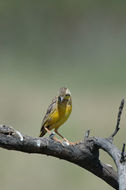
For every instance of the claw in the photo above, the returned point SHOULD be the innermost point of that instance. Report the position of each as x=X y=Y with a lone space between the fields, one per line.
x=65 y=143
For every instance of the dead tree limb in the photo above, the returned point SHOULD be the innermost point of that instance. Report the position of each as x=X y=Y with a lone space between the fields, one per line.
x=118 y=119
x=84 y=154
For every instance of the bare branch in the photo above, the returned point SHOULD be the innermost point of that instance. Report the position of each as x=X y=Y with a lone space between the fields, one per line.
x=85 y=154
x=122 y=159
x=118 y=119
x=122 y=170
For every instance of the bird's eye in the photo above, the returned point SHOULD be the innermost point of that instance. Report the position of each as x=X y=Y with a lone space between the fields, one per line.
x=67 y=95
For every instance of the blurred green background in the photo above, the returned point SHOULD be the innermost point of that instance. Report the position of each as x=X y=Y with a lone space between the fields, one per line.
x=45 y=45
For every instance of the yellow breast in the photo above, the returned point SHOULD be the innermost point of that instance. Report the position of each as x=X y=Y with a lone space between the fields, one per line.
x=60 y=115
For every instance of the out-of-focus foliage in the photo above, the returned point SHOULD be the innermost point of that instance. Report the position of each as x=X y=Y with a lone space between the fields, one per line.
x=48 y=44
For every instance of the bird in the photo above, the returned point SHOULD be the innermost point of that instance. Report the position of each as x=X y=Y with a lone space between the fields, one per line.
x=57 y=113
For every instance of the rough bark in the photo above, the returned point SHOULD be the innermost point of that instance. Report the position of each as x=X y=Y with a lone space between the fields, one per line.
x=83 y=154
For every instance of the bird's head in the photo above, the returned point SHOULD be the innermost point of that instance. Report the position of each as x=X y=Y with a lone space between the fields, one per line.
x=64 y=95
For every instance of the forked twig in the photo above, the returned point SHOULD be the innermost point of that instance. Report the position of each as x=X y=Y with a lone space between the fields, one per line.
x=118 y=118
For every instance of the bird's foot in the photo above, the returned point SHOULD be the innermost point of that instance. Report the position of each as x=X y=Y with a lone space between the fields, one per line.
x=52 y=136
x=76 y=143
x=71 y=143
x=64 y=141
x=68 y=142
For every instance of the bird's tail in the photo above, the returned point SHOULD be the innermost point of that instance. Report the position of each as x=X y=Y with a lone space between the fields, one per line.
x=42 y=132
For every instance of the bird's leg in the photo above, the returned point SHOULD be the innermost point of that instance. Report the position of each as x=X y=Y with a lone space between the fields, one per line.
x=71 y=143
x=48 y=131
x=53 y=137
x=56 y=131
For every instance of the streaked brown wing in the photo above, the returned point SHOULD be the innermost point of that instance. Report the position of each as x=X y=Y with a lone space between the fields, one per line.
x=50 y=110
